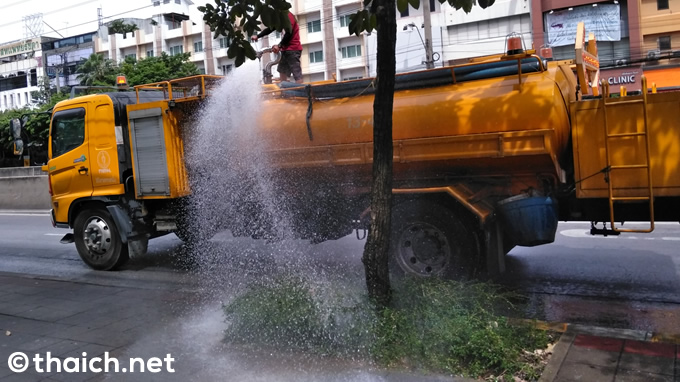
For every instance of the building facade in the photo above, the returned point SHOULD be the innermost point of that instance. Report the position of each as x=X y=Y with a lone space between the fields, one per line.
x=615 y=24
x=660 y=34
x=62 y=57
x=329 y=51
x=632 y=35
x=20 y=66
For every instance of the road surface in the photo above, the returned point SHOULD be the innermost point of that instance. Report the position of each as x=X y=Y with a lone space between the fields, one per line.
x=631 y=281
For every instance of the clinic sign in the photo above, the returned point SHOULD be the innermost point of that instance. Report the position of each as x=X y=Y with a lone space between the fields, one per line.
x=27 y=46
x=628 y=77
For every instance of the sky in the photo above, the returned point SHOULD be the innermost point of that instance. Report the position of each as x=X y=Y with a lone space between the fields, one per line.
x=67 y=17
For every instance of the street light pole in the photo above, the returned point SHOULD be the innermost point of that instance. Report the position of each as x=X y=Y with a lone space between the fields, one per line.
x=429 y=62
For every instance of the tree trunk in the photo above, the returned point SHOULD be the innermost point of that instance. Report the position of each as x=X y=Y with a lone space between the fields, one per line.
x=376 y=251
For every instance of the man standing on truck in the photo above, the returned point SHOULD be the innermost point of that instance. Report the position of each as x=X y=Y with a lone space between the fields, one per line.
x=290 y=48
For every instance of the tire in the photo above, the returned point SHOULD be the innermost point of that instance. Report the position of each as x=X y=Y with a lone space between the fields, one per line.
x=98 y=241
x=430 y=240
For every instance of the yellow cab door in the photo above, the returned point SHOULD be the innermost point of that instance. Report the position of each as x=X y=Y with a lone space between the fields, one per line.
x=70 y=161
x=103 y=140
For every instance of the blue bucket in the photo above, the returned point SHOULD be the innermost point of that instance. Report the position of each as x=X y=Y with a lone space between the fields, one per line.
x=529 y=221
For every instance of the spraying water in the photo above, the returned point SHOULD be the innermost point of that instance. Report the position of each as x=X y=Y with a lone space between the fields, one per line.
x=234 y=186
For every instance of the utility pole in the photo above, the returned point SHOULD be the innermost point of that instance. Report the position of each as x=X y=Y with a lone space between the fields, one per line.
x=429 y=62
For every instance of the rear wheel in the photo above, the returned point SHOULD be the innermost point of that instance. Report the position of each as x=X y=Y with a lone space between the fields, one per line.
x=429 y=239
x=98 y=241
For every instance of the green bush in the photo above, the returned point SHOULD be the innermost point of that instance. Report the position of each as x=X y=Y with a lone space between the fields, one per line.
x=433 y=325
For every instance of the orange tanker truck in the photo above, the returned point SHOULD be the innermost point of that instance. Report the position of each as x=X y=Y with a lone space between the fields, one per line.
x=487 y=155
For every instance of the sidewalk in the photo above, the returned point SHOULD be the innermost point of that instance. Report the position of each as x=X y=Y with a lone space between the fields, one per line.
x=68 y=318
x=599 y=354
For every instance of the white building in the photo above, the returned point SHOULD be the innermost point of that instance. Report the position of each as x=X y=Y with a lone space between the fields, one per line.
x=329 y=51
x=20 y=66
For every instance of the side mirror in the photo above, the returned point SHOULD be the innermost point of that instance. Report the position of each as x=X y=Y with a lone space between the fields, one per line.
x=15 y=128
x=18 y=147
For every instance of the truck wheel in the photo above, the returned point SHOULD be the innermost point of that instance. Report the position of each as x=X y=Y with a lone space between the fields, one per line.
x=98 y=241
x=428 y=240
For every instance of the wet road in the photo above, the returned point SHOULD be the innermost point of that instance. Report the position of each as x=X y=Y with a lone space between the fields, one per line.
x=631 y=281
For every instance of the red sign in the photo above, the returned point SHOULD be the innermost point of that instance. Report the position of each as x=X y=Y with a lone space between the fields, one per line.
x=617 y=77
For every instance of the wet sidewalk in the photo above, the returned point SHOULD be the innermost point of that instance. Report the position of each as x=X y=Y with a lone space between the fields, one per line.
x=598 y=354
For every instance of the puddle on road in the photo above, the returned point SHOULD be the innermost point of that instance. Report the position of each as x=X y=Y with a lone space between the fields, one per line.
x=652 y=317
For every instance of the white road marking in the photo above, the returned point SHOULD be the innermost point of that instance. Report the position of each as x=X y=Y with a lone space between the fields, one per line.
x=23 y=214
x=54 y=234
x=627 y=223
x=586 y=233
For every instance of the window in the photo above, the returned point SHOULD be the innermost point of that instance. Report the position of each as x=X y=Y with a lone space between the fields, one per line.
x=132 y=56
x=226 y=69
x=351 y=51
x=198 y=46
x=661 y=4
x=149 y=53
x=174 y=24
x=432 y=4
x=68 y=130
x=201 y=70
x=352 y=78
x=314 y=26
x=316 y=56
x=344 y=21
x=178 y=1
x=665 y=43
x=224 y=42
x=177 y=49
x=156 y=3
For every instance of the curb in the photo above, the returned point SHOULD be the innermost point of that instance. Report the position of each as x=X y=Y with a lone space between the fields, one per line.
x=559 y=354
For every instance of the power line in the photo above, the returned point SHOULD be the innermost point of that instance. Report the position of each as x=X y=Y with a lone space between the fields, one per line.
x=51 y=12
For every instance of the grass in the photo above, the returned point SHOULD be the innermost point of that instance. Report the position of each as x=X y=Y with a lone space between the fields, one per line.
x=432 y=325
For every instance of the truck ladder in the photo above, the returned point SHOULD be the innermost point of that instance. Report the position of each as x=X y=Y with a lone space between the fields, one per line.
x=612 y=169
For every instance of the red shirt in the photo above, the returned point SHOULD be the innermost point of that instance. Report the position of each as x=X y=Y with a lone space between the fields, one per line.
x=294 y=42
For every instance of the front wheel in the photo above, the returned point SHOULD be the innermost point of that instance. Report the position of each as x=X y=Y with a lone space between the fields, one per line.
x=98 y=241
x=429 y=239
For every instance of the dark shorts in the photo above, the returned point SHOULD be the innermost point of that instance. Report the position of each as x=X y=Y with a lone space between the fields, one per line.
x=290 y=63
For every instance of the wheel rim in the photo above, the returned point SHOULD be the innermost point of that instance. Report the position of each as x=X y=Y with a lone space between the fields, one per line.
x=423 y=250
x=97 y=237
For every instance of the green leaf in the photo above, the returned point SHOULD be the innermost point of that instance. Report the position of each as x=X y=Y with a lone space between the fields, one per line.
x=266 y=16
x=402 y=5
x=414 y=3
x=249 y=51
x=485 y=3
x=240 y=59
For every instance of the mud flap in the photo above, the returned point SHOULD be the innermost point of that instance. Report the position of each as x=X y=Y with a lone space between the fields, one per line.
x=122 y=221
x=138 y=246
